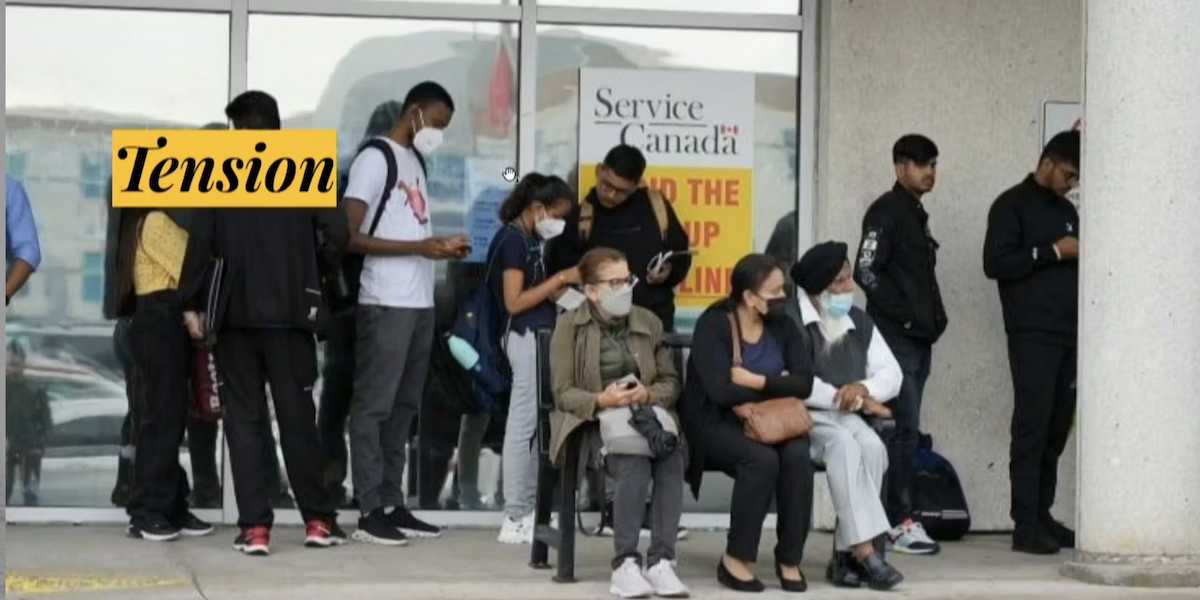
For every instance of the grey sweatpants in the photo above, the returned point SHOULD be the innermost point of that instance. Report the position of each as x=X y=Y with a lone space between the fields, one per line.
x=391 y=363
x=520 y=460
x=632 y=476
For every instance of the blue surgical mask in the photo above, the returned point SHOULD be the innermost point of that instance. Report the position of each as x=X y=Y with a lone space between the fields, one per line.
x=838 y=305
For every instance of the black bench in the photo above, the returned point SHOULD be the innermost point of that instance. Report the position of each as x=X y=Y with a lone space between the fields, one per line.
x=566 y=478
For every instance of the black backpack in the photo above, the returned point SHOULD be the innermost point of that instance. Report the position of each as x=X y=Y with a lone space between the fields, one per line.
x=343 y=284
x=938 y=500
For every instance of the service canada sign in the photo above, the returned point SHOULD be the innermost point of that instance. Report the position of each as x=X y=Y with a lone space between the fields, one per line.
x=696 y=129
x=198 y=168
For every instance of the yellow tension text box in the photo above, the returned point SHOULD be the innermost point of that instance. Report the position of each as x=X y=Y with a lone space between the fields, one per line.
x=245 y=168
x=716 y=208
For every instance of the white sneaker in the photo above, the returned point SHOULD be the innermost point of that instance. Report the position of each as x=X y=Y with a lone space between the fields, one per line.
x=666 y=583
x=628 y=581
x=910 y=537
x=515 y=532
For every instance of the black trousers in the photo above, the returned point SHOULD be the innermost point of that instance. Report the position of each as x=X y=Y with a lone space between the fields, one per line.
x=202 y=449
x=286 y=359
x=1043 y=374
x=338 y=391
x=762 y=473
x=915 y=360
x=161 y=352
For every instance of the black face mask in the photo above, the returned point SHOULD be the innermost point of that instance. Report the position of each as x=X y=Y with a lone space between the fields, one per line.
x=776 y=308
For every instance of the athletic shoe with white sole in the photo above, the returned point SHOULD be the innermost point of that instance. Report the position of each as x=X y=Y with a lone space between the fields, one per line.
x=411 y=526
x=628 y=581
x=375 y=528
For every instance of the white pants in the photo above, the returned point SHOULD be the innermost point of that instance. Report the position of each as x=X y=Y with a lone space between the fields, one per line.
x=855 y=461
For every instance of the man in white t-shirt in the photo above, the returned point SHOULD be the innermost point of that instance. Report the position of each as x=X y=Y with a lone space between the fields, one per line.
x=395 y=309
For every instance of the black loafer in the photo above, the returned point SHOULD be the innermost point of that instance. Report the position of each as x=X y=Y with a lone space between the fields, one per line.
x=791 y=585
x=878 y=574
x=725 y=578
x=841 y=571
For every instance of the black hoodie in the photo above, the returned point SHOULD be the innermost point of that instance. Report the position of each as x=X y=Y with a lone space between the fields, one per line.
x=632 y=228
x=272 y=268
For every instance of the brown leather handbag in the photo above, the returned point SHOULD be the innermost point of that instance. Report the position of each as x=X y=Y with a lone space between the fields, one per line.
x=770 y=421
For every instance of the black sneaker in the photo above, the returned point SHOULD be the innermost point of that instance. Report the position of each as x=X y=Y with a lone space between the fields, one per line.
x=152 y=530
x=1032 y=539
x=411 y=526
x=1061 y=533
x=376 y=528
x=319 y=533
x=192 y=526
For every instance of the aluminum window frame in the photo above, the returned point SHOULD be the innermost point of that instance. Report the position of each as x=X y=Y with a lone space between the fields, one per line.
x=528 y=14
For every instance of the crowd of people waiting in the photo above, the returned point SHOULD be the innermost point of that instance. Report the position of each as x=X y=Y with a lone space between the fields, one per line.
x=783 y=372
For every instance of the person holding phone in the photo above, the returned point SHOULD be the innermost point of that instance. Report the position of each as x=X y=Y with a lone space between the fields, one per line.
x=608 y=354
x=525 y=292
x=620 y=212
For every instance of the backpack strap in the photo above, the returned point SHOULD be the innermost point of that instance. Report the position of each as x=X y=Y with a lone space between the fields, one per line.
x=659 y=204
x=735 y=339
x=389 y=158
x=586 y=215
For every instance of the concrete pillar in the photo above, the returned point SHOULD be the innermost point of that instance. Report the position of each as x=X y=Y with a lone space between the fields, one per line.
x=1139 y=379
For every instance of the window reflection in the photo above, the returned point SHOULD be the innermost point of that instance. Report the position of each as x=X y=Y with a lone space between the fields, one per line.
x=784 y=7
x=358 y=65
x=64 y=93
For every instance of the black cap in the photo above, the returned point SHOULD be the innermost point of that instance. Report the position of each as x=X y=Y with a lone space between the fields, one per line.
x=819 y=266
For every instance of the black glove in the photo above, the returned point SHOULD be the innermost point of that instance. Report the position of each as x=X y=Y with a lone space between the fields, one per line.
x=645 y=422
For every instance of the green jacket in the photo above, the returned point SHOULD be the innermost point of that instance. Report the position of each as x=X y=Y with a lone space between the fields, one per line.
x=575 y=369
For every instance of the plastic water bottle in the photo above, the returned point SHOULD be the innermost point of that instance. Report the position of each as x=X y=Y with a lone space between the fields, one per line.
x=463 y=353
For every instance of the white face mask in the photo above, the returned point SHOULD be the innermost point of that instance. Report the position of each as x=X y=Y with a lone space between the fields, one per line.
x=617 y=302
x=427 y=139
x=549 y=228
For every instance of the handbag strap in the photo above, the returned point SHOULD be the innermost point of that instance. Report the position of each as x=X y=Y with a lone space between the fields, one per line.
x=735 y=340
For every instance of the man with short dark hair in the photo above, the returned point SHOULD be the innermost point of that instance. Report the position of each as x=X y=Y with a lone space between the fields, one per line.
x=1031 y=252
x=620 y=212
x=390 y=225
x=895 y=269
x=269 y=306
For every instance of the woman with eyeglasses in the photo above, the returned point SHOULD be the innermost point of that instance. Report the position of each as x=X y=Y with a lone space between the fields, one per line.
x=608 y=363
x=775 y=363
x=516 y=274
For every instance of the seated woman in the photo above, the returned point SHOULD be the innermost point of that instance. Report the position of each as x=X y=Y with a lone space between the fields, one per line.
x=855 y=373
x=775 y=364
x=608 y=355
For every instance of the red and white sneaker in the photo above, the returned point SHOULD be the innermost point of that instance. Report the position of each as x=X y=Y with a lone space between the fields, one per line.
x=323 y=534
x=254 y=541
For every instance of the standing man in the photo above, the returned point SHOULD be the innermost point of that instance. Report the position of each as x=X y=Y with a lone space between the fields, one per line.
x=895 y=269
x=23 y=253
x=268 y=315
x=1031 y=251
x=385 y=202
x=622 y=214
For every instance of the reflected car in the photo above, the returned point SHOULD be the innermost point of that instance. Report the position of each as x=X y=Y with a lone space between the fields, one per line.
x=86 y=408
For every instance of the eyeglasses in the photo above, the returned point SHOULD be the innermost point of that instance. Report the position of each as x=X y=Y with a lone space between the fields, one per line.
x=612 y=191
x=630 y=280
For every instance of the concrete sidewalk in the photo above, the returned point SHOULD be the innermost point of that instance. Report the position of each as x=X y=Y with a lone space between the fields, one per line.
x=467 y=565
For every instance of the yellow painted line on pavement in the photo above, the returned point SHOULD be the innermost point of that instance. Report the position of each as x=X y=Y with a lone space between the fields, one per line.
x=39 y=584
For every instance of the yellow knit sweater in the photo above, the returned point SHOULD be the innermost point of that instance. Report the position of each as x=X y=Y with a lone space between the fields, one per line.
x=158 y=260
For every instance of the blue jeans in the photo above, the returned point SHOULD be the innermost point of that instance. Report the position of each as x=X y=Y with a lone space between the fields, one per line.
x=915 y=358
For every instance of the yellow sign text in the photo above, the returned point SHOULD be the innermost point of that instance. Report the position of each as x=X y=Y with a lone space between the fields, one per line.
x=190 y=168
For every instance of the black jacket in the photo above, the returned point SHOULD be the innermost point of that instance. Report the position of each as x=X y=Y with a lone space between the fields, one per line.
x=1038 y=292
x=272 y=264
x=709 y=394
x=895 y=268
x=632 y=228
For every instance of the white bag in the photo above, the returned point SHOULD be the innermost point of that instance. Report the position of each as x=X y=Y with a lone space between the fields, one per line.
x=620 y=437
